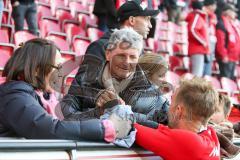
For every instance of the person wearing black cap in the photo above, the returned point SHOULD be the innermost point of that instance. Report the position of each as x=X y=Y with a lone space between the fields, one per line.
x=210 y=7
x=228 y=39
x=133 y=14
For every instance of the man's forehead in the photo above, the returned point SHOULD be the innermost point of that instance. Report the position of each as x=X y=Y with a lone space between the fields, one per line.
x=129 y=51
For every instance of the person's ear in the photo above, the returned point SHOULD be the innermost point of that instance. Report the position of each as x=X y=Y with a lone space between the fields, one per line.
x=108 y=56
x=131 y=20
x=180 y=110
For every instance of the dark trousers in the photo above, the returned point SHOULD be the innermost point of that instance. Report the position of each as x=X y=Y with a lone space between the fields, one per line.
x=28 y=11
x=227 y=69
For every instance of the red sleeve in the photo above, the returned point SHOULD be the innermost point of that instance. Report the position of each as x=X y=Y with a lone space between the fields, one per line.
x=196 y=30
x=221 y=43
x=174 y=143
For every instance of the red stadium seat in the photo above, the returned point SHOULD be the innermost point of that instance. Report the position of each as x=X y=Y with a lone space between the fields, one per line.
x=214 y=81
x=6 y=16
x=6 y=48
x=172 y=78
x=6 y=51
x=74 y=29
x=55 y=4
x=164 y=47
x=175 y=62
x=62 y=15
x=76 y=8
x=228 y=85
x=61 y=43
x=22 y=36
x=80 y=46
x=94 y=34
x=151 y=43
x=43 y=10
x=234 y=115
x=87 y=20
x=49 y=25
x=6 y=33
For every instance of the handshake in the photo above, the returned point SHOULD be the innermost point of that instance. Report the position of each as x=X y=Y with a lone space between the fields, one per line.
x=118 y=122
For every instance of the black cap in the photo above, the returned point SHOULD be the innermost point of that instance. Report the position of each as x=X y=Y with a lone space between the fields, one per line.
x=209 y=2
x=134 y=8
x=197 y=4
x=229 y=7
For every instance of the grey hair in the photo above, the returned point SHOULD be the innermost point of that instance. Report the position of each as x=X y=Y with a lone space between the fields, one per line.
x=134 y=39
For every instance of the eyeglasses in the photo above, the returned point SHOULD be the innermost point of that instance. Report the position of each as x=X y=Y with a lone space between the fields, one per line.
x=58 y=67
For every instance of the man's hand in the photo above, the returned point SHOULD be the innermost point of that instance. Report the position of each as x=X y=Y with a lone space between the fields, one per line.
x=106 y=96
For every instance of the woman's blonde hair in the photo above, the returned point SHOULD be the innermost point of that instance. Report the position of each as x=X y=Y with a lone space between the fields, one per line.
x=152 y=62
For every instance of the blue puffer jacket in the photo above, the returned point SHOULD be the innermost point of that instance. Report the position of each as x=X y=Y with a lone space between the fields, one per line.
x=22 y=115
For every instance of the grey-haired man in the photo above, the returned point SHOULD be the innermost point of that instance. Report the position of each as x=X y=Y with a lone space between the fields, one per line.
x=119 y=80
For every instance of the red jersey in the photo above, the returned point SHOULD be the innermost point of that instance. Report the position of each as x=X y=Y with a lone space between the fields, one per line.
x=177 y=144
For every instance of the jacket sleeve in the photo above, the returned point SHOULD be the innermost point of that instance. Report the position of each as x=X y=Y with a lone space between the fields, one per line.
x=28 y=119
x=170 y=143
x=96 y=48
x=221 y=44
x=195 y=30
x=82 y=94
x=155 y=116
x=111 y=8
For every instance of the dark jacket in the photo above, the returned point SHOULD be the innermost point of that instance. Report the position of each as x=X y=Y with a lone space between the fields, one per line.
x=97 y=47
x=146 y=101
x=23 y=1
x=108 y=9
x=22 y=115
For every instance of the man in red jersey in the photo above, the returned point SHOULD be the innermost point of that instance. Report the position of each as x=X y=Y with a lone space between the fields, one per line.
x=186 y=137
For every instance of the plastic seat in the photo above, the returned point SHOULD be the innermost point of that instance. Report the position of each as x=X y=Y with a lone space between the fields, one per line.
x=87 y=20
x=62 y=15
x=77 y=7
x=214 y=81
x=151 y=43
x=43 y=10
x=61 y=43
x=94 y=34
x=6 y=33
x=74 y=29
x=80 y=46
x=6 y=16
x=5 y=55
x=172 y=78
x=22 y=36
x=55 y=4
x=163 y=46
x=49 y=25
x=228 y=85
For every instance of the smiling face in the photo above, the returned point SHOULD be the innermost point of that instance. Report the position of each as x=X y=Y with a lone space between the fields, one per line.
x=142 y=25
x=122 y=62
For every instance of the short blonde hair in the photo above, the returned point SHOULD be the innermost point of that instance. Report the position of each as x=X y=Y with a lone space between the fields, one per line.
x=225 y=102
x=152 y=62
x=199 y=97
